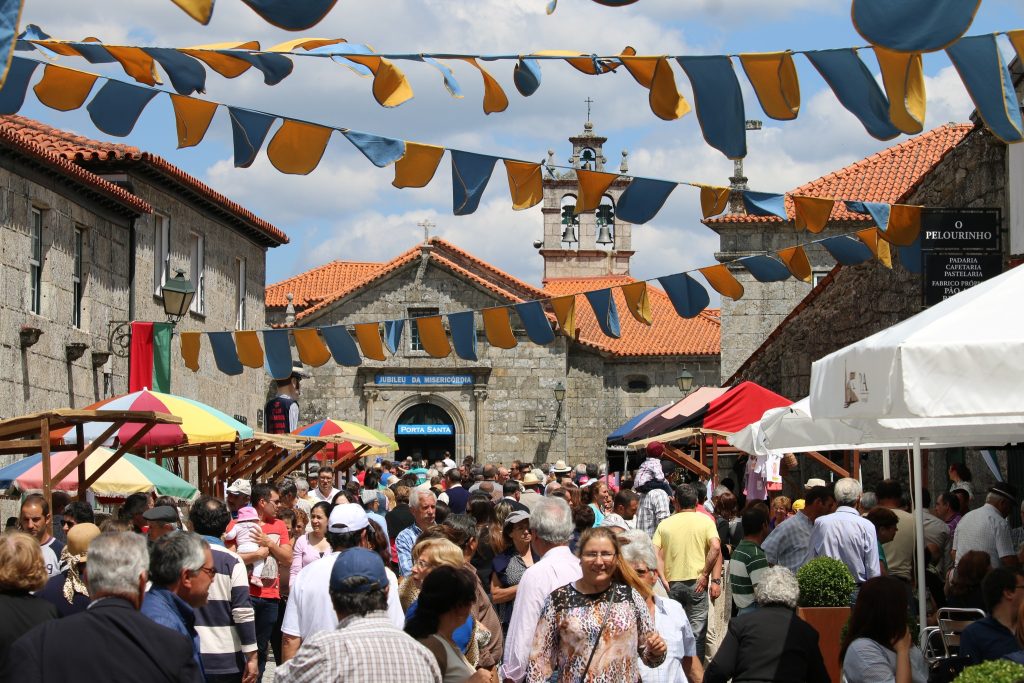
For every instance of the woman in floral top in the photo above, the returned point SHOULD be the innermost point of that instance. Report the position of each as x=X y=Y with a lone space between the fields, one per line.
x=593 y=630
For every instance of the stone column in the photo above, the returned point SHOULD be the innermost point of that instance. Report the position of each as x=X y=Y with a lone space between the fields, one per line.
x=479 y=396
x=369 y=397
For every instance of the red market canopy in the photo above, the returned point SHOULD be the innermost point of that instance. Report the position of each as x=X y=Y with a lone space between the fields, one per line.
x=744 y=403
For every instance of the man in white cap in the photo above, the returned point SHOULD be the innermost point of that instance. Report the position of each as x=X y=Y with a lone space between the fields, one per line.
x=309 y=608
x=239 y=493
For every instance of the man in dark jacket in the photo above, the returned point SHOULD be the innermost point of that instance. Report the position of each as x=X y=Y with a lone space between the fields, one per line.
x=111 y=641
x=181 y=569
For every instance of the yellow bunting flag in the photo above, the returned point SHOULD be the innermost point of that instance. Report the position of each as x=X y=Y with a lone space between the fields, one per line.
x=390 y=86
x=655 y=74
x=1017 y=40
x=565 y=312
x=525 y=183
x=495 y=99
x=305 y=44
x=903 y=78
x=773 y=76
x=592 y=186
x=713 y=200
x=60 y=47
x=418 y=166
x=795 y=259
x=226 y=65
x=724 y=282
x=580 y=61
x=370 y=344
x=637 y=301
x=433 y=337
x=200 y=10
x=297 y=147
x=190 y=349
x=312 y=350
x=878 y=246
x=136 y=62
x=498 y=327
x=64 y=89
x=811 y=213
x=247 y=345
x=192 y=117
x=904 y=224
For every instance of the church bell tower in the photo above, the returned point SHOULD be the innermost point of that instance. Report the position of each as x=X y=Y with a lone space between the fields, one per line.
x=590 y=244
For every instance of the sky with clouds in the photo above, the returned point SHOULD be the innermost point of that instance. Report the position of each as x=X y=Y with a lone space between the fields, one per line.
x=347 y=208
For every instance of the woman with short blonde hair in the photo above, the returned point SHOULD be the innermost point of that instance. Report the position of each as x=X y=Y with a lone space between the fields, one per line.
x=22 y=570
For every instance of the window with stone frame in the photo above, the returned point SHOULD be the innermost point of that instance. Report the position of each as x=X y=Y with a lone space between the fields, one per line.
x=77 y=276
x=161 y=252
x=637 y=383
x=415 y=343
x=35 y=261
x=240 y=294
x=197 y=267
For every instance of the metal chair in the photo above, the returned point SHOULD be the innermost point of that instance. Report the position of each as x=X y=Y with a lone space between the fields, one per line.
x=952 y=621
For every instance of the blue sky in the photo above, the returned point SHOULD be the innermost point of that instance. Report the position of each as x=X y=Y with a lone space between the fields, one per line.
x=347 y=208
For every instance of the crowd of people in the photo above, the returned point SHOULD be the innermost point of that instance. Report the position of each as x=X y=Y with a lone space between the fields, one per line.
x=459 y=572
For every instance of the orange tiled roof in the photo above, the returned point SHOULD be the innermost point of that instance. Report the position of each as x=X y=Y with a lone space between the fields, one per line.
x=667 y=335
x=885 y=176
x=90 y=153
x=16 y=139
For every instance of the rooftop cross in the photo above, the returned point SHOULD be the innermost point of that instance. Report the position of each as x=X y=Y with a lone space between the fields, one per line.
x=426 y=224
x=589 y=102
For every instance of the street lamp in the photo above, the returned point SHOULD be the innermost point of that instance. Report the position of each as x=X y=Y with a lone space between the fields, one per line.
x=684 y=380
x=559 y=392
x=178 y=294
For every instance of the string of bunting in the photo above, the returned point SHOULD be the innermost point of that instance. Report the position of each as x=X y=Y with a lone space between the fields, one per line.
x=348 y=346
x=297 y=147
x=897 y=106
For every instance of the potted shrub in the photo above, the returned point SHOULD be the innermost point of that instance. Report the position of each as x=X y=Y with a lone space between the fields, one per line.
x=826 y=586
x=995 y=671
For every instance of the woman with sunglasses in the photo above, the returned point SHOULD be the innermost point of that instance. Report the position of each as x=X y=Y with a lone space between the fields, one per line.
x=514 y=556
x=596 y=628
x=670 y=620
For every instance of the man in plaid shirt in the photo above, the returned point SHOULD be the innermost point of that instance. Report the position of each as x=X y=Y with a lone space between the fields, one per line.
x=365 y=646
x=788 y=545
x=654 y=507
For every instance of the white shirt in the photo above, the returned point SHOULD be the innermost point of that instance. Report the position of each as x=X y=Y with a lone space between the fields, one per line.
x=310 y=609
x=317 y=496
x=983 y=529
x=556 y=569
x=846 y=536
x=671 y=624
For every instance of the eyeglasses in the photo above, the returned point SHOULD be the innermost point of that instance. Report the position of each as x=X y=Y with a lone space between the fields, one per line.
x=422 y=564
x=68 y=523
x=643 y=572
x=595 y=555
x=209 y=571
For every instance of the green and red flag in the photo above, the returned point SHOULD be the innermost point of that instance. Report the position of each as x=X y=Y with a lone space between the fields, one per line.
x=149 y=357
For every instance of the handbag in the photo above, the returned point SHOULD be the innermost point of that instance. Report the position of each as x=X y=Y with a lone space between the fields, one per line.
x=600 y=632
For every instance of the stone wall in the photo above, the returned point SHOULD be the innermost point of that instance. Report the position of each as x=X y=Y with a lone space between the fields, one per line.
x=509 y=411
x=245 y=394
x=41 y=377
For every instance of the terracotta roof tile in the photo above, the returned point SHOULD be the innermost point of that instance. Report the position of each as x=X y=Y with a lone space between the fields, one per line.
x=88 y=152
x=885 y=176
x=315 y=285
x=667 y=335
x=16 y=138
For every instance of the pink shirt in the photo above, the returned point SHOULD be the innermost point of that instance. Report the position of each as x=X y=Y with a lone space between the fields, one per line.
x=302 y=554
x=556 y=569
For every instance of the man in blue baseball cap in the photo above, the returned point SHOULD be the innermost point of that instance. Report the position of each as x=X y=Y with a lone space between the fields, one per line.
x=359 y=591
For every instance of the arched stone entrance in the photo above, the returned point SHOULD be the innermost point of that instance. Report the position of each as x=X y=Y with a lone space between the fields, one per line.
x=424 y=428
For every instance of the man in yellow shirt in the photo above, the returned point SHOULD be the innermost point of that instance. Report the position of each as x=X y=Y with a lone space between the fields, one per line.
x=688 y=549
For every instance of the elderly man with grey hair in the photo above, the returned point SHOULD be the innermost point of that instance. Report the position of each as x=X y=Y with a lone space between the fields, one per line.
x=110 y=641
x=181 y=569
x=422 y=505
x=670 y=620
x=771 y=643
x=551 y=524
x=846 y=536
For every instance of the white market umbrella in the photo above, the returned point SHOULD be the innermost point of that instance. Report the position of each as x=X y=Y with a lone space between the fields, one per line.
x=954 y=371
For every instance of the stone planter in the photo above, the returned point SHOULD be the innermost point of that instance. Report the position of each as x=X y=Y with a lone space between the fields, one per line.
x=829 y=623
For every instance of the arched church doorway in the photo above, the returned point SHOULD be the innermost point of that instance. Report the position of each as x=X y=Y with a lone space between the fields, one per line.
x=425 y=431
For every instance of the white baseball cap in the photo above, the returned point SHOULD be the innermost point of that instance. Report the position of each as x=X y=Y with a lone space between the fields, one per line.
x=240 y=486
x=347 y=518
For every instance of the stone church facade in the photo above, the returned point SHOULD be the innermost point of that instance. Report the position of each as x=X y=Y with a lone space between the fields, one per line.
x=504 y=405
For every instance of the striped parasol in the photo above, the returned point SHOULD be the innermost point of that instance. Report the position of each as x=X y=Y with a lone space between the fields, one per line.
x=338 y=451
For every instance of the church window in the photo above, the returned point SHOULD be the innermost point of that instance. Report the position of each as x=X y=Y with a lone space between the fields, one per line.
x=415 y=343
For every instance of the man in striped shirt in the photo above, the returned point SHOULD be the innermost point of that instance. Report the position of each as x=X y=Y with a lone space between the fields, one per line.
x=788 y=545
x=748 y=562
x=226 y=626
